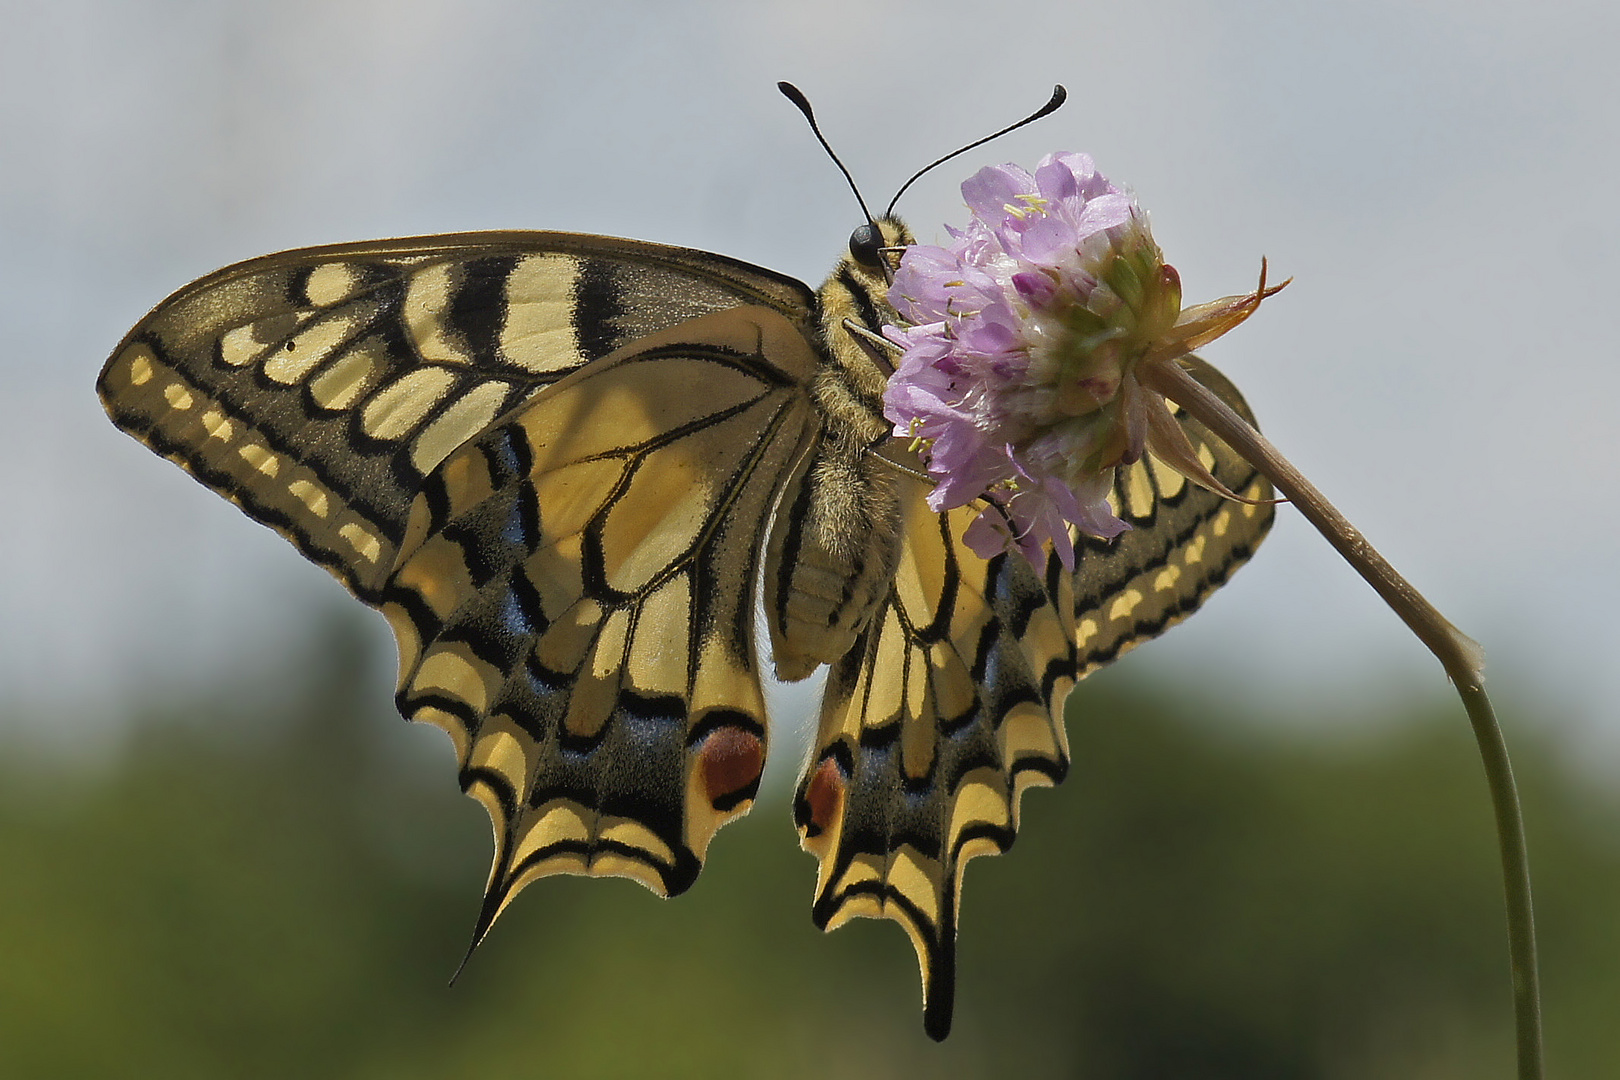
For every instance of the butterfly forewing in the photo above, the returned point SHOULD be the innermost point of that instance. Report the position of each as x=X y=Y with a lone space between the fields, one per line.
x=317 y=388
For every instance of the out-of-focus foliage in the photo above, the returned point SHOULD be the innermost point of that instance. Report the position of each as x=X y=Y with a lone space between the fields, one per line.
x=1188 y=905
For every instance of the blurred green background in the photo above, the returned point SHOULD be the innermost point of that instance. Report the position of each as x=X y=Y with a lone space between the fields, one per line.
x=278 y=884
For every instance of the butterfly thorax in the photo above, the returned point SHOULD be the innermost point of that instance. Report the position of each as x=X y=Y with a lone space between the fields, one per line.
x=837 y=542
x=850 y=386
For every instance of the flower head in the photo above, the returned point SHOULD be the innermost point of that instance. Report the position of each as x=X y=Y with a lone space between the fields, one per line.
x=1020 y=368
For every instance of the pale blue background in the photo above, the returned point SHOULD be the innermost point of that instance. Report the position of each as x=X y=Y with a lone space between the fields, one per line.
x=1439 y=175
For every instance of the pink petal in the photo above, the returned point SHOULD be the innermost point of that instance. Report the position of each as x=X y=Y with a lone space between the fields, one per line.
x=1056 y=180
x=1104 y=212
x=1050 y=242
x=988 y=191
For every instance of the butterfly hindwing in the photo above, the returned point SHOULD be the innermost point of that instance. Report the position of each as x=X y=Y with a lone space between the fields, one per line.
x=1184 y=541
x=317 y=388
x=945 y=711
x=951 y=703
x=574 y=600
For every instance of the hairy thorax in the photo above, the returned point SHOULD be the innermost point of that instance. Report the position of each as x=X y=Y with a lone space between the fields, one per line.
x=837 y=539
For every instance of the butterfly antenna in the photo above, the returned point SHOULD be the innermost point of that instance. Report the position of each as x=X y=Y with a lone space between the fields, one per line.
x=795 y=95
x=1059 y=96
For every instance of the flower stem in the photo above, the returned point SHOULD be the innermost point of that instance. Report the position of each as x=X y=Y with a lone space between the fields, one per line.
x=1461 y=657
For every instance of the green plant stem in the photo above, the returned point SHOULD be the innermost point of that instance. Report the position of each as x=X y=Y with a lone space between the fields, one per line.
x=1461 y=657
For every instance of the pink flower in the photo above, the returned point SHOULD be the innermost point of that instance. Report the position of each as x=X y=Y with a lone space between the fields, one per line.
x=1018 y=376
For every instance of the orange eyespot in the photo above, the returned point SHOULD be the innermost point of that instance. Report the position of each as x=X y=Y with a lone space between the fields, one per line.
x=732 y=760
x=825 y=795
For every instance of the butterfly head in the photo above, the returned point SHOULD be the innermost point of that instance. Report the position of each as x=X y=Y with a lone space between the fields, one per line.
x=866 y=245
x=876 y=246
x=858 y=287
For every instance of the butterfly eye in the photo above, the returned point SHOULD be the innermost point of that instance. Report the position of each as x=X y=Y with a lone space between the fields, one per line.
x=866 y=245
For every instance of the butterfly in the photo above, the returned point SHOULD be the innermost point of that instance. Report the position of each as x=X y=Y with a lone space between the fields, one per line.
x=568 y=470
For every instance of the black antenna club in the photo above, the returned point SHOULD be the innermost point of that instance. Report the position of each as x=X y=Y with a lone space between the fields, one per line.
x=1059 y=96
x=795 y=95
